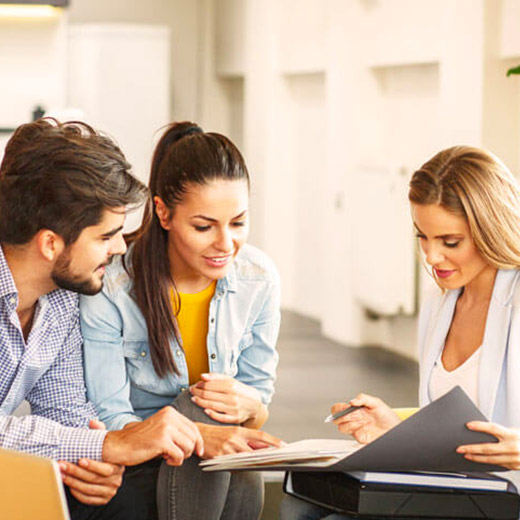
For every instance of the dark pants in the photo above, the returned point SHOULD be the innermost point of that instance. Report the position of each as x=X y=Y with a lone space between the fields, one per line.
x=135 y=499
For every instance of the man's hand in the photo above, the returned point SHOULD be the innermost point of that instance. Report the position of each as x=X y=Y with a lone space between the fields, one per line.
x=167 y=433
x=92 y=482
x=221 y=440
x=229 y=401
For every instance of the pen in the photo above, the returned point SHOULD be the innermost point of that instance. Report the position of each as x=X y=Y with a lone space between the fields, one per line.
x=342 y=413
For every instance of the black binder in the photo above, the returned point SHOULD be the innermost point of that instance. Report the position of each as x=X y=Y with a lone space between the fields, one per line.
x=345 y=494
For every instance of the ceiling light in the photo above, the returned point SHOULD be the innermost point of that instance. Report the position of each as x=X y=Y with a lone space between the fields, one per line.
x=28 y=11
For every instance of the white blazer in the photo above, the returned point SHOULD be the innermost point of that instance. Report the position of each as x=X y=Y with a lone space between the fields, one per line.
x=499 y=371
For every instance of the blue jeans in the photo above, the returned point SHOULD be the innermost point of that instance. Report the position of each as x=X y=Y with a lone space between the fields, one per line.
x=188 y=493
x=294 y=509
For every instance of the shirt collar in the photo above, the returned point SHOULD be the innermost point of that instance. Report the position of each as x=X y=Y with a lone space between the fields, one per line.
x=57 y=301
x=7 y=285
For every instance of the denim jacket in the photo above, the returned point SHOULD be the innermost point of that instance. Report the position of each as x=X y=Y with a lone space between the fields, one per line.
x=244 y=320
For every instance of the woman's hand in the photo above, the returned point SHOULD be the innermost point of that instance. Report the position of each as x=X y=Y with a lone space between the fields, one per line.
x=505 y=452
x=222 y=440
x=227 y=400
x=368 y=423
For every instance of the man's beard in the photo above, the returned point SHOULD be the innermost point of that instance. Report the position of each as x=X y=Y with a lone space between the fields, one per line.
x=63 y=278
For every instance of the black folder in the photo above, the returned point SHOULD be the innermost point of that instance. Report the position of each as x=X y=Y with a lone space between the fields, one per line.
x=426 y=441
x=345 y=494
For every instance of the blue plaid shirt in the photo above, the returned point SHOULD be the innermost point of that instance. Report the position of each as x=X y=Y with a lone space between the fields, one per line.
x=47 y=371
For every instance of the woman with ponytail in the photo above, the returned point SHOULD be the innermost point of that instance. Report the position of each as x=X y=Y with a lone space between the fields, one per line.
x=190 y=317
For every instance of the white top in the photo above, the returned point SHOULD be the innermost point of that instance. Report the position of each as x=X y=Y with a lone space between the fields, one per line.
x=465 y=375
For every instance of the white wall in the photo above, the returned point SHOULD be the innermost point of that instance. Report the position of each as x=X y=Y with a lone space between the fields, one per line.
x=332 y=88
x=315 y=92
x=118 y=75
x=32 y=67
x=184 y=19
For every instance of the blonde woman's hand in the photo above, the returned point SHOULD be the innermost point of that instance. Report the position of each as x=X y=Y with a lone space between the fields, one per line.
x=223 y=440
x=505 y=452
x=229 y=401
x=366 y=424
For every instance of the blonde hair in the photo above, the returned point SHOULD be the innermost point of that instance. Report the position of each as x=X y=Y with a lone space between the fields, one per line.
x=475 y=184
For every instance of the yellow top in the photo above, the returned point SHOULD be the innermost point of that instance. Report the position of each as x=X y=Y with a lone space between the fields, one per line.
x=404 y=413
x=193 y=326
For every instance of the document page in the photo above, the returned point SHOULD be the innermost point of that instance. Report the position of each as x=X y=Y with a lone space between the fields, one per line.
x=318 y=452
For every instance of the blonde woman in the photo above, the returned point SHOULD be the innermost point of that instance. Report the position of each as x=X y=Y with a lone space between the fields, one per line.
x=466 y=210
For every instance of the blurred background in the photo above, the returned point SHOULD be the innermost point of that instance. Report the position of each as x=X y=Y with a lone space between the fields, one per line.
x=334 y=103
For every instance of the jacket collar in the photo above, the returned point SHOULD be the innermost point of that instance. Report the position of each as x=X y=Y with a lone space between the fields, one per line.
x=494 y=344
x=229 y=282
x=496 y=335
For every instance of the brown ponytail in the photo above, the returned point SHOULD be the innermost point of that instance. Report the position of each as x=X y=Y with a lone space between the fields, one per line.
x=185 y=155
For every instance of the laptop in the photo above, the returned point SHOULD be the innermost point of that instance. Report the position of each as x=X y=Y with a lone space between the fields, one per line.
x=30 y=488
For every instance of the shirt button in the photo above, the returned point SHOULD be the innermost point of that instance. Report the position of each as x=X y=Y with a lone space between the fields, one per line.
x=213 y=356
x=178 y=352
x=183 y=389
x=12 y=300
x=212 y=320
x=143 y=354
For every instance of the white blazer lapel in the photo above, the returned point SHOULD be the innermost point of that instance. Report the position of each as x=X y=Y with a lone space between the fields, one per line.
x=436 y=336
x=495 y=341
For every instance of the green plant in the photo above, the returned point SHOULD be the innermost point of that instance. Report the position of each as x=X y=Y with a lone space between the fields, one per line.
x=514 y=70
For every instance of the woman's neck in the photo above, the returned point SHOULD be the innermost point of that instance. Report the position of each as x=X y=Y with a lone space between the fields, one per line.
x=480 y=288
x=186 y=280
x=187 y=286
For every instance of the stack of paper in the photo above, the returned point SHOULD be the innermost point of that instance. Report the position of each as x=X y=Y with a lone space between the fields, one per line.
x=482 y=481
x=318 y=452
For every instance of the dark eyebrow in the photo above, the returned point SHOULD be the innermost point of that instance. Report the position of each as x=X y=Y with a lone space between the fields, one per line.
x=209 y=219
x=444 y=237
x=112 y=232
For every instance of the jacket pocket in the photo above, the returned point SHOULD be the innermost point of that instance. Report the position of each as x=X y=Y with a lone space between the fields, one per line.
x=139 y=365
x=235 y=351
x=141 y=373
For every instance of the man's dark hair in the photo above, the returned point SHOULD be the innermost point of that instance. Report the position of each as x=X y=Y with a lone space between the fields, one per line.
x=61 y=176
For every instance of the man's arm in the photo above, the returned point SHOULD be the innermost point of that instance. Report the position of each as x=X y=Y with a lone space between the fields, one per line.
x=58 y=426
x=42 y=436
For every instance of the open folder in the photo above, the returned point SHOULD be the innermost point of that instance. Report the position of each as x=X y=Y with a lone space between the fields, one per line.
x=426 y=441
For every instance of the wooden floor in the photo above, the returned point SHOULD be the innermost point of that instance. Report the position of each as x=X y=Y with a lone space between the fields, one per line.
x=313 y=373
